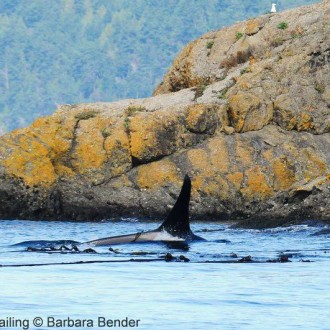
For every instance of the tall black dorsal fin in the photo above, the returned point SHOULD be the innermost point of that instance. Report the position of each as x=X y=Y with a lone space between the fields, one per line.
x=177 y=222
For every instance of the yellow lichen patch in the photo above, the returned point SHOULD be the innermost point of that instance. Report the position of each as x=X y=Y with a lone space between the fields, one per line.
x=212 y=188
x=256 y=184
x=202 y=118
x=89 y=150
x=236 y=179
x=31 y=164
x=54 y=131
x=35 y=153
x=117 y=150
x=240 y=105
x=292 y=149
x=198 y=158
x=66 y=126
x=243 y=84
x=244 y=152
x=252 y=61
x=284 y=175
x=219 y=156
x=157 y=174
x=252 y=26
x=200 y=163
x=223 y=188
x=268 y=155
x=209 y=169
x=216 y=187
x=143 y=130
x=304 y=122
x=120 y=182
x=154 y=135
x=315 y=165
x=197 y=183
x=196 y=114
x=210 y=184
x=62 y=170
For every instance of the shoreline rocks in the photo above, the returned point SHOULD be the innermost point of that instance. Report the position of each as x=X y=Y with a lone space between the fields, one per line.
x=248 y=118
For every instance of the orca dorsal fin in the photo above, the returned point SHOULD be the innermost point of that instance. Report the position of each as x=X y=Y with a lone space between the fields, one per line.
x=177 y=222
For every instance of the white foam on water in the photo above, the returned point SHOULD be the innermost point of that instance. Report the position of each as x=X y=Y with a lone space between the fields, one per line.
x=165 y=236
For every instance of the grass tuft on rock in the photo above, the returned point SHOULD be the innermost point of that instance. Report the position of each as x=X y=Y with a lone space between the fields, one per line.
x=86 y=115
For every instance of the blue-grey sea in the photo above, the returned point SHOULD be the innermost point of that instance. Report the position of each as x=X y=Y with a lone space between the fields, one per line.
x=132 y=286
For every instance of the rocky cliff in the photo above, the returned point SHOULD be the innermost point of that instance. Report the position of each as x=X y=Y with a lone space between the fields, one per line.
x=245 y=111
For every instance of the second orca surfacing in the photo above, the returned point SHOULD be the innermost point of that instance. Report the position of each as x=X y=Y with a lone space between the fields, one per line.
x=175 y=228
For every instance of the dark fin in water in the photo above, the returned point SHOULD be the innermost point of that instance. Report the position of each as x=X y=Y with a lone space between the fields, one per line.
x=177 y=222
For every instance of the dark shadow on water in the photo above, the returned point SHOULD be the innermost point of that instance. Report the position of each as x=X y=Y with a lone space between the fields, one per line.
x=177 y=245
x=226 y=241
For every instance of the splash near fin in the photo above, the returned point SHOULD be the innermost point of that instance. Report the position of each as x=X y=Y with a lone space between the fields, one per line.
x=177 y=222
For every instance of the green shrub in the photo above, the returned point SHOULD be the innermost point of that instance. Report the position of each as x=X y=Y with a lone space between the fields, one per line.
x=246 y=70
x=239 y=35
x=282 y=25
x=223 y=94
x=105 y=133
x=86 y=115
x=320 y=87
x=199 y=90
x=127 y=123
x=133 y=109
x=210 y=44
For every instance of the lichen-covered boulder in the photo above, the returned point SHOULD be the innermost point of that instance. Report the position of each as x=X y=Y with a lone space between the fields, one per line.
x=245 y=111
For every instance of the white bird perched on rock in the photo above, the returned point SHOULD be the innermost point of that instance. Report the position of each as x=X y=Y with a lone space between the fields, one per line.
x=273 y=10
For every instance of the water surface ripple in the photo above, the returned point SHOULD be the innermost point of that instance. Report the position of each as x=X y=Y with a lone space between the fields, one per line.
x=211 y=291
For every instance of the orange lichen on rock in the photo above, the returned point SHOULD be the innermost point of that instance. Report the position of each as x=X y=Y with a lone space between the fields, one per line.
x=157 y=174
x=31 y=163
x=268 y=154
x=244 y=152
x=37 y=155
x=199 y=162
x=210 y=168
x=284 y=174
x=240 y=105
x=153 y=134
x=202 y=118
x=121 y=181
x=256 y=184
x=216 y=187
x=118 y=151
x=304 y=122
x=253 y=26
x=219 y=154
x=89 y=151
x=292 y=149
x=315 y=165
x=236 y=179
x=198 y=158
x=55 y=132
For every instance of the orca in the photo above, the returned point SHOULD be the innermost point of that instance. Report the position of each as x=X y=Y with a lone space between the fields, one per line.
x=175 y=228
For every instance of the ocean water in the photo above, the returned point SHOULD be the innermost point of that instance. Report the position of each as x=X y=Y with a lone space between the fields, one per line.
x=132 y=286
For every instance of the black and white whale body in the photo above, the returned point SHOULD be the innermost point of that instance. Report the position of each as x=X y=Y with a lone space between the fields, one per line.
x=175 y=228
